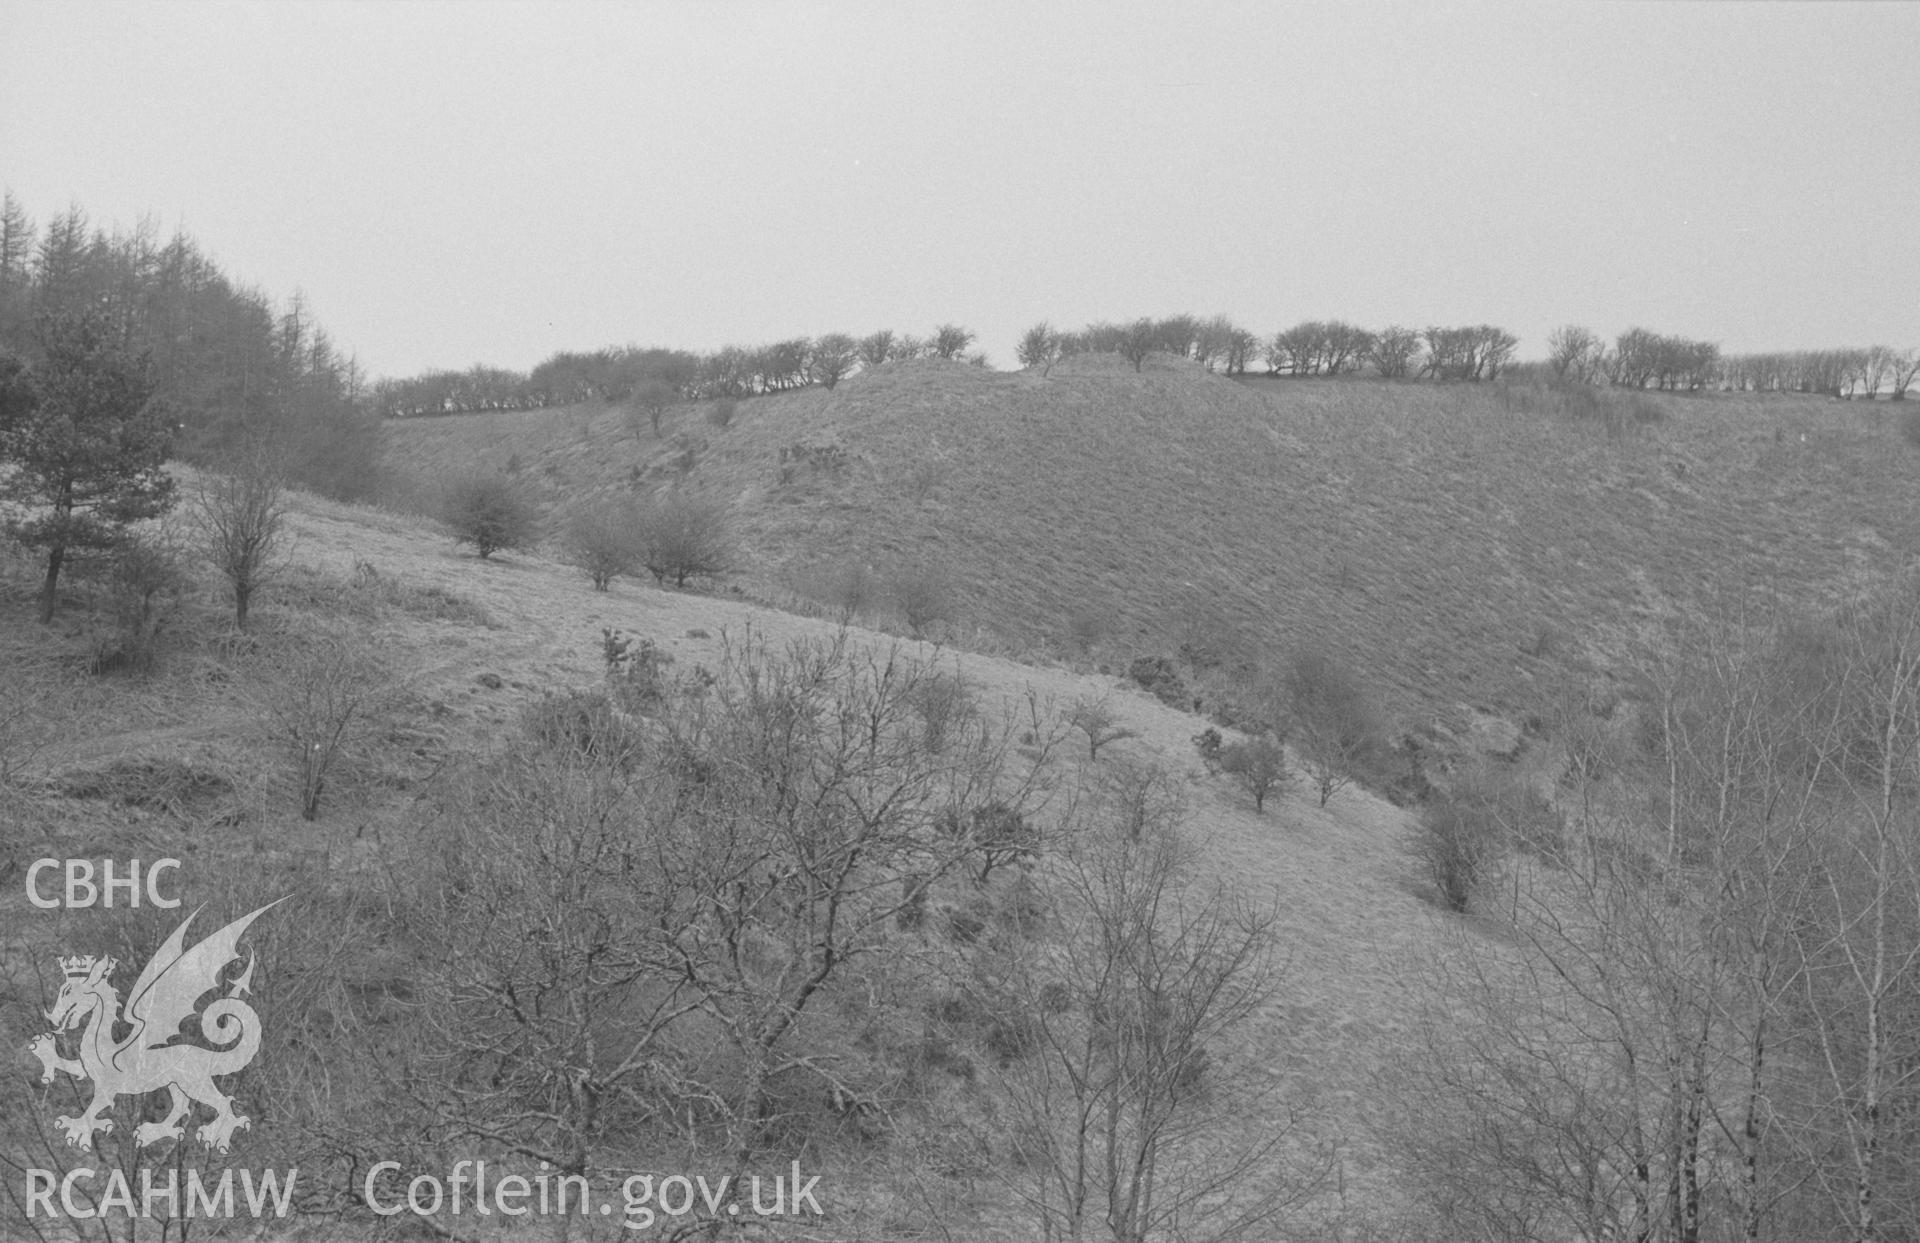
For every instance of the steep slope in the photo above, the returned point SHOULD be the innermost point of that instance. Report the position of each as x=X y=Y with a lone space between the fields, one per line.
x=479 y=641
x=1456 y=543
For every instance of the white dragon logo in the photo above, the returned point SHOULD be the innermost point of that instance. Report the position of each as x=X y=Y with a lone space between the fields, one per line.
x=149 y=1056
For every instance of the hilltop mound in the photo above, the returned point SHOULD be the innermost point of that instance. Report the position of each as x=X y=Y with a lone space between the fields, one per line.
x=1462 y=545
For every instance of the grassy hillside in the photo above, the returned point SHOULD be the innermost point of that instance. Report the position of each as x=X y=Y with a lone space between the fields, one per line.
x=184 y=764
x=1467 y=546
x=1457 y=544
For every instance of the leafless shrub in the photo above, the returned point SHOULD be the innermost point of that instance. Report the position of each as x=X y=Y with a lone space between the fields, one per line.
x=852 y=589
x=602 y=539
x=145 y=583
x=998 y=835
x=688 y=920
x=492 y=512
x=651 y=401
x=1258 y=766
x=1039 y=347
x=1334 y=726
x=1126 y=1109
x=944 y=701
x=1087 y=625
x=583 y=725
x=1465 y=834
x=323 y=695
x=1140 y=798
x=923 y=596
x=683 y=536
x=241 y=518
x=1095 y=718
x=950 y=341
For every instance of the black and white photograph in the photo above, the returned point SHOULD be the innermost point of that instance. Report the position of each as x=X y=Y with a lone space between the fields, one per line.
x=867 y=621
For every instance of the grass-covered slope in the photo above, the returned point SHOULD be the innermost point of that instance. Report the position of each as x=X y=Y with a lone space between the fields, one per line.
x=1459 y=544
x=182 y=764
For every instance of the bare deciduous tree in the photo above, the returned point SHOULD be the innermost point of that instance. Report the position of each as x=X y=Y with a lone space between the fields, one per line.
x=1393 y=351
x=322 y=696
x=876 y=348
x=950 y=341
x=1258 y=766
x=1241 y=349
x=1334 y=726
x=1095 y=718
x=1131 y=1112
x=684 y=536
x=923 y=595
x=241 y=520
x=1901 y=371
x=603 y=539
x=1704 y=1027
x=490 y=511
x=651 y=400
x=1136 y=341
x=637 y=939
x=1039 y=347
x=1572 y=351
x=832 y=359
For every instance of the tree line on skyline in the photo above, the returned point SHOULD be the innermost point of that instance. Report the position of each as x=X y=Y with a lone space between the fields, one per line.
x=624 y=373
x=239 y=368
x=1636 y=358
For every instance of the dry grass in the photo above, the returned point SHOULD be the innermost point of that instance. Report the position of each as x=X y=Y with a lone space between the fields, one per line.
x=1429 y=534
x=143 y=762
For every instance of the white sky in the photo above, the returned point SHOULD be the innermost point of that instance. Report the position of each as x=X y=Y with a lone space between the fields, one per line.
x=460 y=183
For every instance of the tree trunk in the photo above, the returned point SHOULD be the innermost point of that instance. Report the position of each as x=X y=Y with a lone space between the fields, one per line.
x=1750 y=1133
x=49 y=591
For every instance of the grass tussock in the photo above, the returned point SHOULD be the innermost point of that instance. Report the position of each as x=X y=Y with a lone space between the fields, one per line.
x=176 y=786
x=370 y=594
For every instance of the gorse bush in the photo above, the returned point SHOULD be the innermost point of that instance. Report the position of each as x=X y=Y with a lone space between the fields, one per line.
x=1209 y=743
x=491 y=512
x=1158 y=675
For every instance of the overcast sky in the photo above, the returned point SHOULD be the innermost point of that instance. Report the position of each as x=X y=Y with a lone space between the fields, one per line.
x=461 y=183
